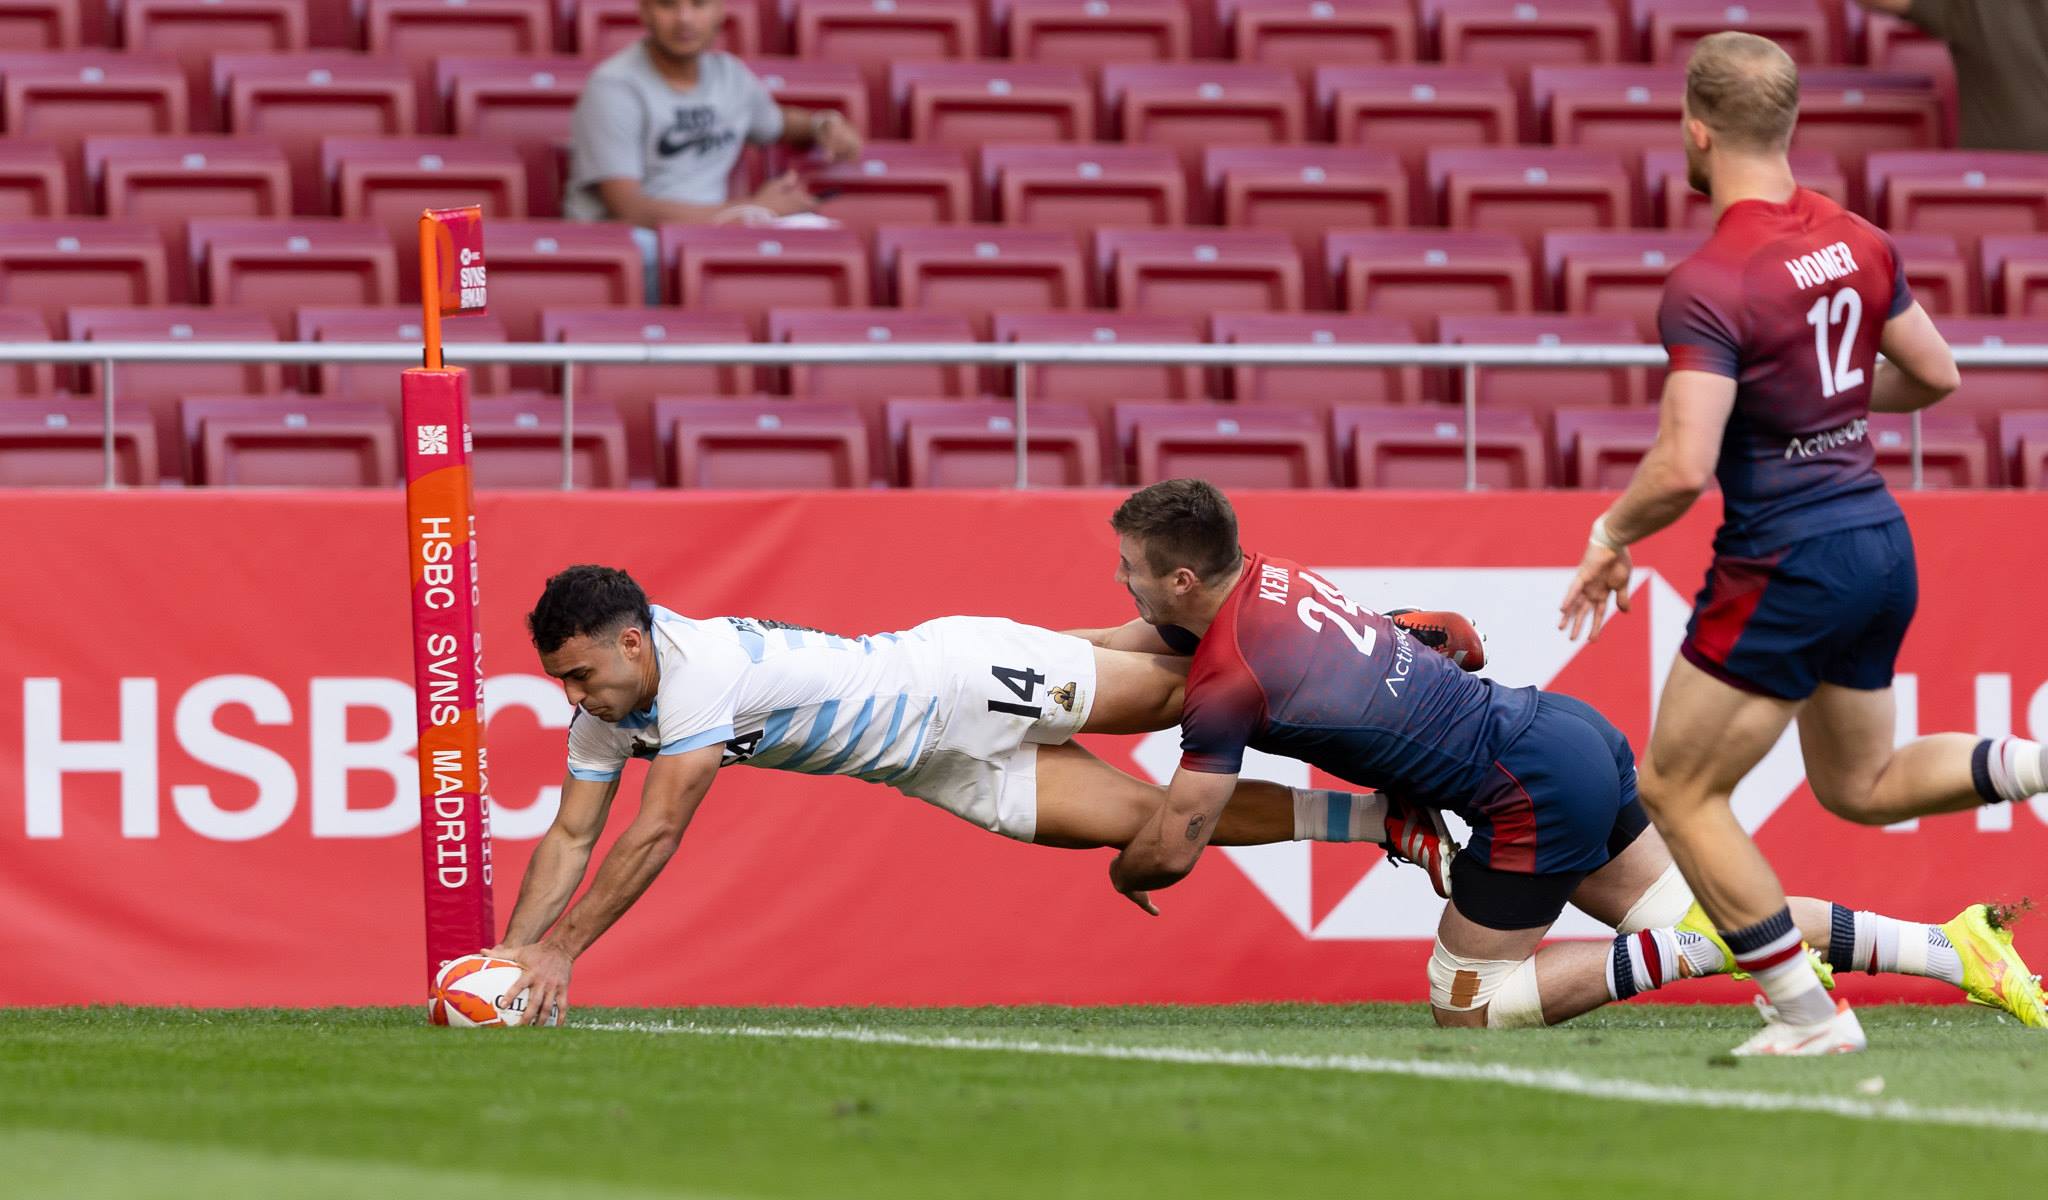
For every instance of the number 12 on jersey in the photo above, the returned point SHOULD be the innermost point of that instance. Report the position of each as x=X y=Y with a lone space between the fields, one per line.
x=1844 y=308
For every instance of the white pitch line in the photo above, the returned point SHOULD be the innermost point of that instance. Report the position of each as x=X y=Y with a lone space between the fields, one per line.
x=1566 y=1082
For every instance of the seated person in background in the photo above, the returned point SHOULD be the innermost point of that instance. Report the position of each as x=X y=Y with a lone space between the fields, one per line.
x=661 y=123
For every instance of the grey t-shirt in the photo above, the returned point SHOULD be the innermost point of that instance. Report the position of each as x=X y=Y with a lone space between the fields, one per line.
x=680 y=144
x=2000 y=49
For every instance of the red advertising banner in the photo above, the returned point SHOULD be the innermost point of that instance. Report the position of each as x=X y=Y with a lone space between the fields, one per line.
x=209 y=792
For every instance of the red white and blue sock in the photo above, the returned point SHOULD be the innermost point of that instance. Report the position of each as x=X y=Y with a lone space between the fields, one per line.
x=1328 y=816
x=2007 y=770
x=1773 y=952
x=1647 y=960
x=1872 y=942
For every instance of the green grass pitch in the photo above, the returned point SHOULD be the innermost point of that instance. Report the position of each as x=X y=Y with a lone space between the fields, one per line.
x=1162 y=1103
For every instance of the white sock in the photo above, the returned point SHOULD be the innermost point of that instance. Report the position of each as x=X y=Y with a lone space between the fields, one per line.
x=1649 y=959
x=2017 y=767
x=1774 y=954
x=1327 y=816
x=1873 y=942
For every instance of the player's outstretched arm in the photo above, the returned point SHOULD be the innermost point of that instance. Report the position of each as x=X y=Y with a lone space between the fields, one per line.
x=676 y=785
x=1918 y=368
x=560 y=858
x=1167 y=848
x=1135 y=635
x=1692 y=419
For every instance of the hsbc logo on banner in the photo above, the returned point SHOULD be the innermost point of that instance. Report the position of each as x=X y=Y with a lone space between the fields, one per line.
x=1622 y=675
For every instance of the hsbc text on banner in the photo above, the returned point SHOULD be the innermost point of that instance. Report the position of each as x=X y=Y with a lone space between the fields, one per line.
x=207 y=736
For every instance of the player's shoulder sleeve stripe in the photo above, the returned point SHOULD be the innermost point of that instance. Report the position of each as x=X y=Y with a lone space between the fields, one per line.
x=697 y=741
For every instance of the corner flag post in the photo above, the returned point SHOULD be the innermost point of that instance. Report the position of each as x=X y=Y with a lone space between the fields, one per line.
x=447 y=637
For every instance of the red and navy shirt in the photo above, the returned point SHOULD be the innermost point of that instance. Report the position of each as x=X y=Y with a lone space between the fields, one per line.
x=1790 y=301
x=1292 y=667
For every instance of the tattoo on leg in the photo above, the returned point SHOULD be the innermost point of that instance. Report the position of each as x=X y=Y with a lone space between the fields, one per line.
x=1194 y=828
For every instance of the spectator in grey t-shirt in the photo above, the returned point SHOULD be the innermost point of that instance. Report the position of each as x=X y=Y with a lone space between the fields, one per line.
x=661 y=123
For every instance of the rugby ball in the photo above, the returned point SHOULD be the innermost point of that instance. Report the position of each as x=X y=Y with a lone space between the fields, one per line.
x=469 y=993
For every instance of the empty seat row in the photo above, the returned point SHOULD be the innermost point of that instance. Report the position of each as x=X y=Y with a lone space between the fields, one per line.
x=972 y=270
x=299 y=441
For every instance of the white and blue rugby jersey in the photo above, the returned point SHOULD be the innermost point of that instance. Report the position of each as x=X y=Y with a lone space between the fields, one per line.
x=779 y=697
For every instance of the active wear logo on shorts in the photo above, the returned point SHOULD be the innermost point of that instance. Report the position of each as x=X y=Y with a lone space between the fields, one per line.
x=1833 y=439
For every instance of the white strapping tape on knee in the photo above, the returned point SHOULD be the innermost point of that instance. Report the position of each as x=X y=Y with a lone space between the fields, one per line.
x=1517 y=1004
x=1662 y=905
x=1463 y=984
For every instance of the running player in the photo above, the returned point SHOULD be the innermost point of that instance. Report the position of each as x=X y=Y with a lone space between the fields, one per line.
x=1285 y=663
x=1773 y=329
x=971 y=714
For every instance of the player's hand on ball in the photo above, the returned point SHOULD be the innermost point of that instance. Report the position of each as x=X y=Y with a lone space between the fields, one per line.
x=545 y=982
x=1602 y=574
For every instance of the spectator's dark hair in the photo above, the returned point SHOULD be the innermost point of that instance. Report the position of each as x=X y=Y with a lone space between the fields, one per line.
x=587 y=601
x=1183 y=523
x=1745 y=87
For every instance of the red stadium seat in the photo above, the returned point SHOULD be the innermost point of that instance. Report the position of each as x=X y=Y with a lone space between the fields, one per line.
x=193 y=31
x=1937 y=272
x=390 y=180
x=159 y=385
x=1065 y=187
x=1413 y=110
x=1531 y=191
x=517 y=443
x=867 y=387
x=395 y=323
x=1857 y=113
x=417 y=31
x=34 y=183
x=871 y=34
x=1966 y=193
x=278 y=265
x=1987 y=392
x=21 y=324
x=291 y=441
x=1626 y=108
x=525 y=103
x=298 y=99
x=1952 y=450
x=1199 y=271
x=1306 y=34
x=1599 y=447
x=1543 y=390
x=898 y=183
x=53 y=265
x=1099 y=384
x=601 y=28
x=1421 y=274
x=62 y=98
x=1192 y=106
x=1423 y=446
x=1619 y=274
x=171 y=180
x=631 y=390
x=978 y=271
x=333 y=24
x=544 y=264
x=1318 y=388
x=59 y=441
x=839 y=86
x=750 y=270
x=967 y=104
x=1229 y=446
x=763 y=443
x=1895 y=44
x=1515 y=33
x=1092 y=33
x=972 y=443
x=1305 y=191
x=40 y=24
x=1671 y=28
x=2023 y=448
x=2016 y=274
x=1674 y=205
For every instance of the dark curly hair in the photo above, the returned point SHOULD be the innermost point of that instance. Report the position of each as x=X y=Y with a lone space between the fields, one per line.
x=587 y=601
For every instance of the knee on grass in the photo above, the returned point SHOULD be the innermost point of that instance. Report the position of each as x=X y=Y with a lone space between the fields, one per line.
x=1489 y=992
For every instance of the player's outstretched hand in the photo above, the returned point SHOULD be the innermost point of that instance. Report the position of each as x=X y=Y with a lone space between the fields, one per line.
x=545 y=981
x=1602 y=574
x=1142 y=900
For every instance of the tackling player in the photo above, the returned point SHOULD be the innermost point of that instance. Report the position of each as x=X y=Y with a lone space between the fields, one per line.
x=1773 y=329
x=1285 y=663
x=971 y=714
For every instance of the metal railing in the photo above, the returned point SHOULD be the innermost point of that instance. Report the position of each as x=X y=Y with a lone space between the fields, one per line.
x=1468 y=360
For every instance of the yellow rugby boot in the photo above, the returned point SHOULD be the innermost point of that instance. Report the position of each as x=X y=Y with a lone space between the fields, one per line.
x=1697 y=921
x=1994 y=974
